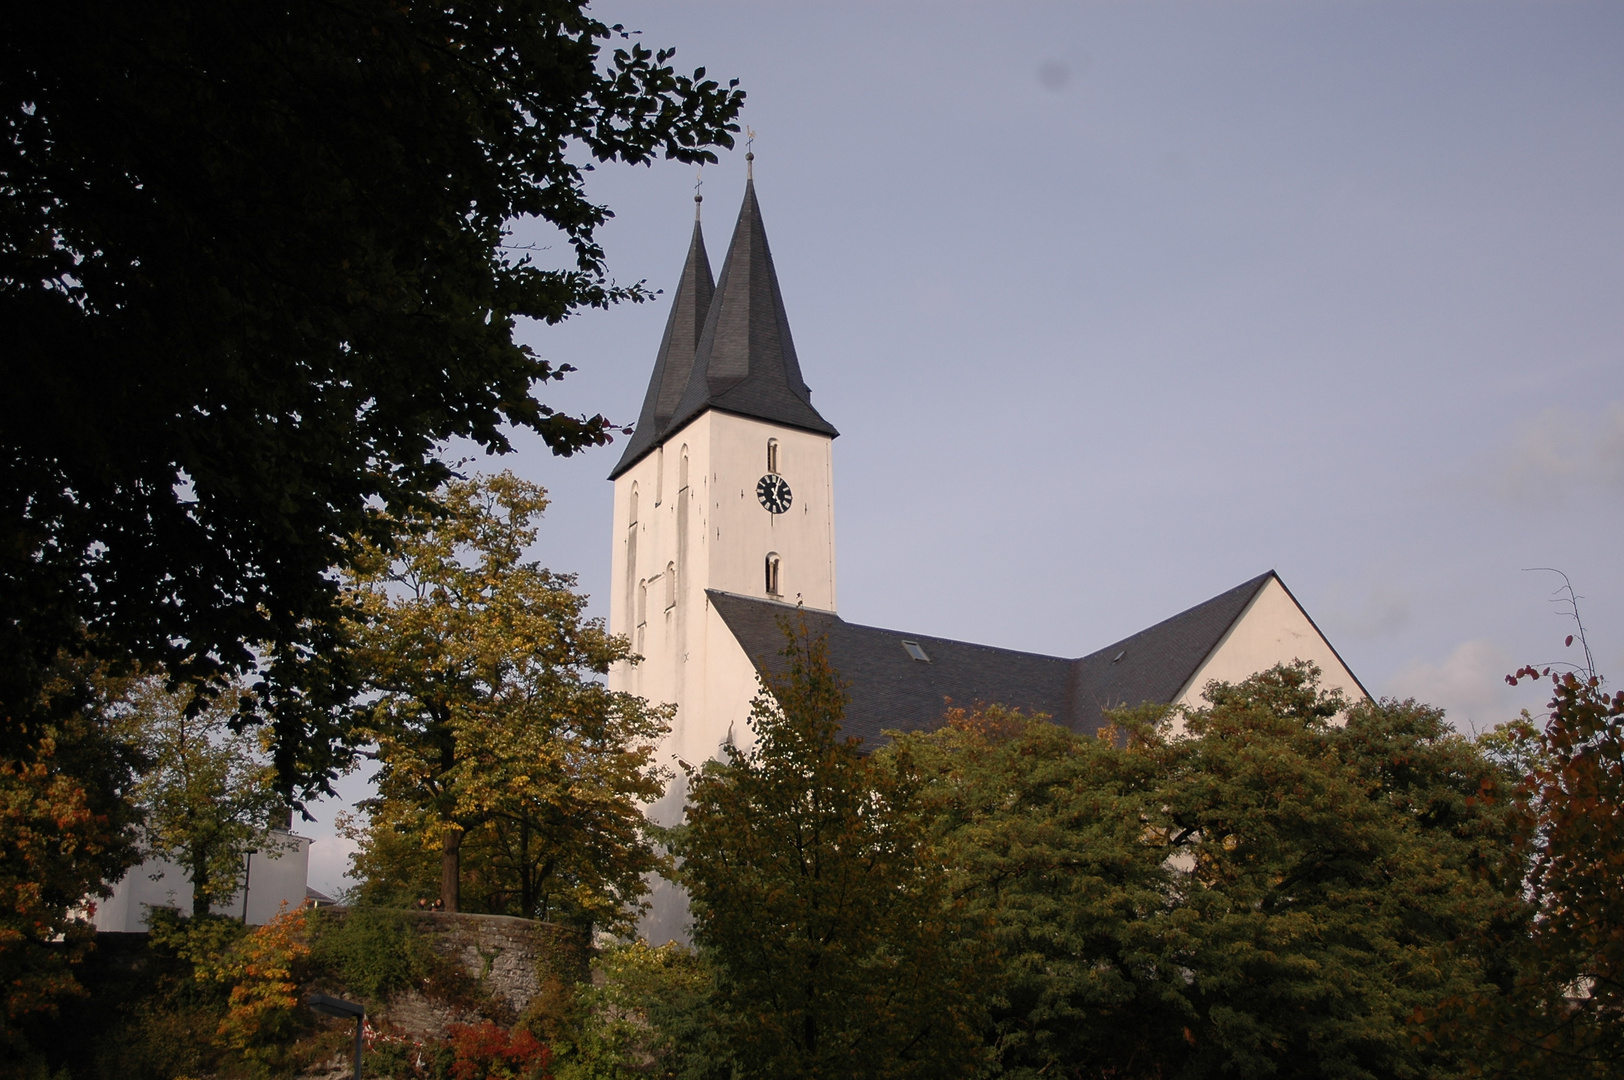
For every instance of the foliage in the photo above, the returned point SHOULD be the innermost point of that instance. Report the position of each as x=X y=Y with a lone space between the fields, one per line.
x=263 y=969
x=491 y=716
x=255 y=272
x=1267 y=893
x=206 y=791
x=1561 y=1015
x=488 y=1052
x=817 y=899
x=645 y=1013
x=66 y=829
x=369 y=951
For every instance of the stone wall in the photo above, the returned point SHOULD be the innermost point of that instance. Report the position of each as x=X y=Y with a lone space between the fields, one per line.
x=509 y=957
x=508 y=962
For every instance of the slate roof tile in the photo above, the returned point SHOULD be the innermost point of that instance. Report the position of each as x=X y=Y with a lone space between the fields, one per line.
x=890 y=690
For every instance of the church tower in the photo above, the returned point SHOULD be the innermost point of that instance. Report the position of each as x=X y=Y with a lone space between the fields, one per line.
x=726 y=487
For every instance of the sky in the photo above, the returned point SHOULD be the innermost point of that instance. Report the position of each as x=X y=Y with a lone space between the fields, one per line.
x=1118 y=305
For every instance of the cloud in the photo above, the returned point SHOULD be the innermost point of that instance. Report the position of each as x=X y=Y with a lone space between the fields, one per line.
x=1054 y=74
x=1563 y=450
x=1381 y=610
x=1469 y=686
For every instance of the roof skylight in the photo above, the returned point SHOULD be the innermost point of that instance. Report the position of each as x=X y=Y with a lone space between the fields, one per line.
x=915 y=651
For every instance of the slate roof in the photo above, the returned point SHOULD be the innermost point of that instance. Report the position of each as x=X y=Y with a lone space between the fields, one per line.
x=745 y=362
x=890 y=690
x=690 y=303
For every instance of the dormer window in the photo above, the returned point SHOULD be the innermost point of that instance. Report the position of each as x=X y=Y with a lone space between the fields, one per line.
x=772 y=573
x=772 y=455
x=914 y=650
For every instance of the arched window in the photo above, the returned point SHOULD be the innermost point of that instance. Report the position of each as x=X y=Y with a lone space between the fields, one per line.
x=670 y=585
x=632 y=516
x=772 y=455
x=682 y=471
x=659 y=475
x=772 y=573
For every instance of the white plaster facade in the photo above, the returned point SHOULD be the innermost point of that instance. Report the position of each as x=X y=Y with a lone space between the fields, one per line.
x=273 y=880
x=687 y=519
x=1273 y=629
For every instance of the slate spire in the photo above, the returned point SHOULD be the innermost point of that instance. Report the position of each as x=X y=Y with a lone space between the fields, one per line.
x=745 y=363
x=690 y=303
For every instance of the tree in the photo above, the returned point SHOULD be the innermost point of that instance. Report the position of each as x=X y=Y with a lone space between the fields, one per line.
x=67 y=827
x=1269 y=893
x=817 y=901
x=1563 y=1012
x=254 y=274
x=206 y=792
x=491 y=716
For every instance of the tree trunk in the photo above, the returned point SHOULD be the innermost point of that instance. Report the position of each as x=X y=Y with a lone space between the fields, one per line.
x=200 y=885
x=527 y=884
x=450 y=867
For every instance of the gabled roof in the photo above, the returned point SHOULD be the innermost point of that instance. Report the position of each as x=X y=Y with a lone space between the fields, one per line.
x=745 y=362
x=690 y=303
x=891 y=690
x=1158 y=662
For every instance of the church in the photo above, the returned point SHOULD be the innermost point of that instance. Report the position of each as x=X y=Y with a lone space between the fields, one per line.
x=724 y=522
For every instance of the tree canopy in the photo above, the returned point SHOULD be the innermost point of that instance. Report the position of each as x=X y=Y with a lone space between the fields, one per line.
x=818 y=900
x=1265 y=893
x=254 y=273
x=205 y=792
x=492 y=722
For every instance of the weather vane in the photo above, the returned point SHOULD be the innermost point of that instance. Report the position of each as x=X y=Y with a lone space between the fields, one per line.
x=699 y=181
x=749 y=152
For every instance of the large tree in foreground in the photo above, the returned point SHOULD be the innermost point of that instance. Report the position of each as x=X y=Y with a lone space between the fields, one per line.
x=253 y=274
x=818 y=901
x=492 y=719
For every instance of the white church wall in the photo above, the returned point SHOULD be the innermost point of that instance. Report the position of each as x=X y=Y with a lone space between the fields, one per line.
x=1272 y=630
x=741 y=533
x=158 y=882
x=713 y=534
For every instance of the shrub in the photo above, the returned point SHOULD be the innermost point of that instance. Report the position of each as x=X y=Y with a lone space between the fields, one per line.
x=488 y=1052
x=369 y=951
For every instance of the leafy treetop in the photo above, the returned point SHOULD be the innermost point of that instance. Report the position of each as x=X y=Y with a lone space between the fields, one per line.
x=253 y=274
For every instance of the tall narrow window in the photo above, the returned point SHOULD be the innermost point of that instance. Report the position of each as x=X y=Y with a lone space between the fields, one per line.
x=642 y=612
x=631 y=562
x=659 y=475
x=682 y=517
x=772 y=573
x=670 y=585
x=772 y=455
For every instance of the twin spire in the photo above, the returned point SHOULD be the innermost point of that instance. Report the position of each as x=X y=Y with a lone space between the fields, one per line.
x=727 y=345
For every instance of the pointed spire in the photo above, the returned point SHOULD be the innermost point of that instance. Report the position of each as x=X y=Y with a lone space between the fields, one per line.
x=689 y=306
x=746 y=361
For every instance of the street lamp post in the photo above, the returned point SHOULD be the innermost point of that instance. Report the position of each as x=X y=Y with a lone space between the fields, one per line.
x=343 y=1010
x=247 y=866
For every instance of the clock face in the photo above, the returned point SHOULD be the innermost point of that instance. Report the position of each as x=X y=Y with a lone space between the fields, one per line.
x=773 y=493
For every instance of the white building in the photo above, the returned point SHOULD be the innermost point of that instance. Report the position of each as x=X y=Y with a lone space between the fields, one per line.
x=724 y=522
x=274 y=879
